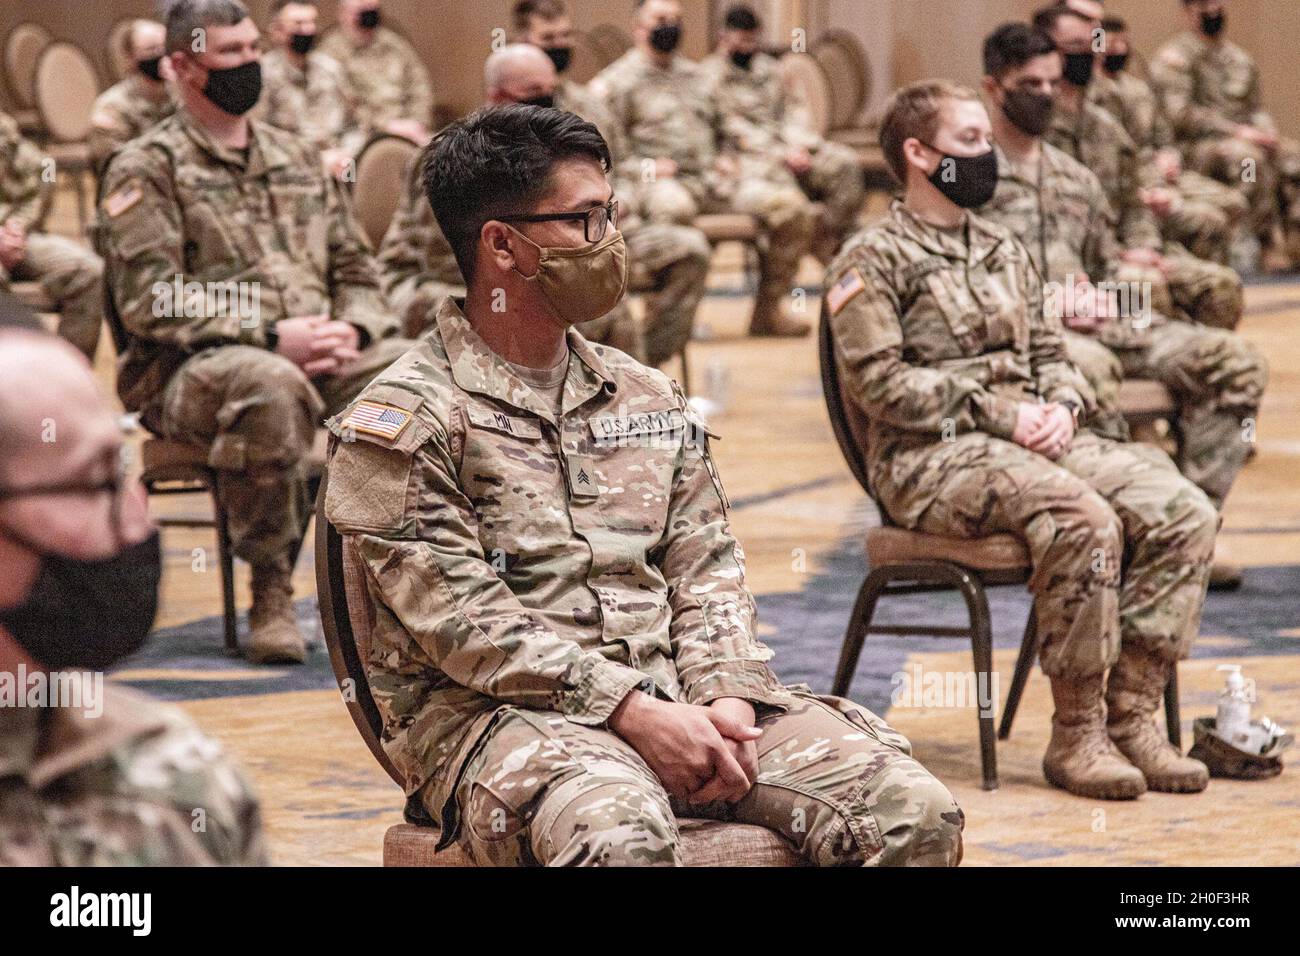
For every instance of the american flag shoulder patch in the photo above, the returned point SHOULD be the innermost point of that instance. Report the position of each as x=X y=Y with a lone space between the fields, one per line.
x=842 y=292
x=376 y=418
x=123 y=199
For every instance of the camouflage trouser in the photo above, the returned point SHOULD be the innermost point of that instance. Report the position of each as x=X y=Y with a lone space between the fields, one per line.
x=1218 y=380
x=259 y=414
x=1104 y=373
x=1270 y=181
x=834 y=180
x=1205 y=291
x=784 y=214
x=1081 y=517
x=670 y=263
x=834 y=779
x=1208 y=218
x=73 y=277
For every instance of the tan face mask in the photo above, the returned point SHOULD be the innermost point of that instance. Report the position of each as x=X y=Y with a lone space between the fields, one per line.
x=581 y=282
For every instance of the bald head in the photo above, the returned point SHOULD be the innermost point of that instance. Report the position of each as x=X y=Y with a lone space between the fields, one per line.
x=518 y=73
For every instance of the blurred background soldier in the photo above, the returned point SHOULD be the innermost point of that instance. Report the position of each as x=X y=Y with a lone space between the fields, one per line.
x=662 y=108
x=387 y=81
x=128 y=108
x=121 y=780
x=765 y=115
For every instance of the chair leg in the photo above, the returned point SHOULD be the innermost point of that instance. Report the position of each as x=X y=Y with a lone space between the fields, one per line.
x=856 y=634
x=981 y=638
x=1024 y=664
x=227 y=558
x=1173 y=722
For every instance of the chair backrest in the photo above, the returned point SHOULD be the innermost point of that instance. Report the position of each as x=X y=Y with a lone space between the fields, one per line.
x=847 y=420
x=849 y=72
x=23 y=48
x=66 y=88
x=381 y=177
x=119 y=61
x=348 y=616
x=806 y=74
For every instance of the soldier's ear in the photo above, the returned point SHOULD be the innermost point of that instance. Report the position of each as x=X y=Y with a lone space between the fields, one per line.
x=915 y=152
x=498 y=244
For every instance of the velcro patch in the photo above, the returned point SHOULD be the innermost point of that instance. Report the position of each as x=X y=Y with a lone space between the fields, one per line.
x=609 y=428
x=922 y=268
x=582 y=477
x=376 y=418
x=123 y=198
x=842 y=293
x=497 y=421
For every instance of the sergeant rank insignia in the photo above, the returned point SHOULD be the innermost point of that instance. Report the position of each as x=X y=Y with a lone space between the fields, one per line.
x=375 y=418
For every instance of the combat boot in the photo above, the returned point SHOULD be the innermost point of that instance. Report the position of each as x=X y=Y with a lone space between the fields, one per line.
x=274 y=637
x=1081 y=758
x=1133 y=695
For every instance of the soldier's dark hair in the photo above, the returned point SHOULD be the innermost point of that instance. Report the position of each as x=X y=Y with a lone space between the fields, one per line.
x=524 y=10
x=914 y=111
x=1011 y=46
x=497 y=162
x=279 y=5
x=741 y=17
x=186 y=17
x=1114 y=25
x=1046 y=18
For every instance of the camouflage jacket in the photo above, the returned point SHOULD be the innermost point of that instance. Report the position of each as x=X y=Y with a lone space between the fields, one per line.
x=311 y=102
x=762 y=113
x=263 y=237
x=1132 y=101
x=386 y=79
x=519 y=559
x=415 y=257
x=123 y=112
x=1208 y=89
x=138 y=785
x=1097 y=140
x=938 y=333
x=24 y=192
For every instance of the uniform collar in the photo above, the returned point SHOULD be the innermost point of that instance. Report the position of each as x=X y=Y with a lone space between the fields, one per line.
x=977 y=240
x=476 y=368
x=263 y=154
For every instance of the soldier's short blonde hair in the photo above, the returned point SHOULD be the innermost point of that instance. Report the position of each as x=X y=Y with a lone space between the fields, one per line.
x=913 y=111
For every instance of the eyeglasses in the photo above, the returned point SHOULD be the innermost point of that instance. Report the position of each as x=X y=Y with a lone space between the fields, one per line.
x=118 y=462
x=594 y=221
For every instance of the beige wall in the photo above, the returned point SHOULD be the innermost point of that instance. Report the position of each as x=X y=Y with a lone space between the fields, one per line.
x=905 y=39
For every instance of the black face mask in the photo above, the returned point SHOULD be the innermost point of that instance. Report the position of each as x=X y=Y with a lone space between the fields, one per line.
x=742 y=60
x=547 y=101
x=1116 y=62
x=665 y=37
x=1030 y=112
x=302 y=43
x=560 y=56
x=368 y=19
x=1212 y=24
x=151 y=67
x=1078 y=68
x=89 y=614
x=968 y=181
x=236 y=90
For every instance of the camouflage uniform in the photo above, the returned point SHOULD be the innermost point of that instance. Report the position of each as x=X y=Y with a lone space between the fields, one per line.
x=1207 y=214
x=123 y=112
x=669 y=113
x=531 y=568
x=939 y=336
x=311 y=102
x=1210 y=88
x=69 y=273
x=179 y=205
x=386 y=79
x=1216 y=377
x=766 y=115
x=138 y=785
x=1196 y=289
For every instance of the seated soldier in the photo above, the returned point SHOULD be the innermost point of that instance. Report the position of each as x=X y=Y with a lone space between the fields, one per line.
x=388 y=85
x=91 y=773
x=305 y=91
x=69 y=273
x=668 y=261
x=564 y=651
x=662 y=109
x=764 y=114
x=128 y=108
x=978 y=425
x=1211 y=90
x=248 y=297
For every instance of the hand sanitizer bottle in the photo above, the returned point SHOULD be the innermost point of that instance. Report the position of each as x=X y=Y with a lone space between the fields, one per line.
x=1233 y=721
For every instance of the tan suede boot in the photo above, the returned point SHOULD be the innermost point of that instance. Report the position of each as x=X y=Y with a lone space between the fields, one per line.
x=1081 y=758
x=274 y=637
x=1133 y=695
